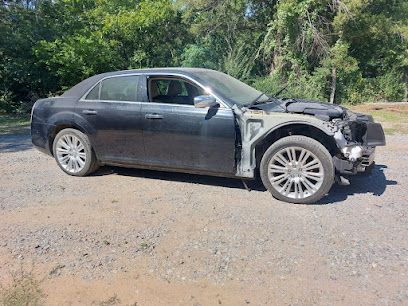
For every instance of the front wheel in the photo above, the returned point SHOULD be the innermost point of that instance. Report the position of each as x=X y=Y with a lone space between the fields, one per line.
x=297 y=169
x=73 y=153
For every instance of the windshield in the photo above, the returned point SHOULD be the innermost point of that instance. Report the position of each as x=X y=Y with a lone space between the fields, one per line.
x=231 y=89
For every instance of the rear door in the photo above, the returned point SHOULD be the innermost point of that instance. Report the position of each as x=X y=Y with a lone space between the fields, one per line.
x=111 y=112
x=178 y=135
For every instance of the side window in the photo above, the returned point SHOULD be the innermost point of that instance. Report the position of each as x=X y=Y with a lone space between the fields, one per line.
x=122 y=88
x=172 y=90
x=94 y=93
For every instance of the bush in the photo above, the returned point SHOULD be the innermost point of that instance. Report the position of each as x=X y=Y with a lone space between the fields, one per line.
x=355 y=90
x=385 y=88
x=7 y=103
x=305 y=86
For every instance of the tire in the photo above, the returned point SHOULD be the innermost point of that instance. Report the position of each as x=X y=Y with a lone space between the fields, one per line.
x=73 y=153
x=297 y=169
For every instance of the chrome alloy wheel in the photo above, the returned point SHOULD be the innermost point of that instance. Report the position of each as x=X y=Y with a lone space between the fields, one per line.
x=295 y=172
x=71 y=153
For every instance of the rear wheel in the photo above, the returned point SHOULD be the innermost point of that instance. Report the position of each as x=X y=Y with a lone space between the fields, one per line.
x=73 y=153
x=297 y=169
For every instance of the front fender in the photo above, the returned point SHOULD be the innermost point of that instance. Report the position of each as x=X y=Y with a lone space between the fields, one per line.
x=255 y=127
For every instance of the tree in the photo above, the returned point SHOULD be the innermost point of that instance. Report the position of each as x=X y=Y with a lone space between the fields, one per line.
x=122 y=36
x=335 y=50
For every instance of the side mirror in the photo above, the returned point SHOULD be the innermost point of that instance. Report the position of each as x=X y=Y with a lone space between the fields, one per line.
x=204 y=101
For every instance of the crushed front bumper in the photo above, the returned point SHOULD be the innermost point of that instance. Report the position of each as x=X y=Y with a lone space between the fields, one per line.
x=357 y=158
x=346 y=166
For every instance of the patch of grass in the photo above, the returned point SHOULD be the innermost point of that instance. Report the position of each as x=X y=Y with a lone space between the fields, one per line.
x=393 y=116
x=112 y=301
x=24 y=290
x=12 y=124
x=144 y=246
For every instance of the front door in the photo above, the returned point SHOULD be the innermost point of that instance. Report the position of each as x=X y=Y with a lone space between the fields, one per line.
x=178 y=135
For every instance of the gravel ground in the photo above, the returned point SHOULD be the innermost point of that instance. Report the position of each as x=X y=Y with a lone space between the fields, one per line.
x=165 y=238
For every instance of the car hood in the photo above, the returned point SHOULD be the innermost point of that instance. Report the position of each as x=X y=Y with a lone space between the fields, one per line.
x=321 y=110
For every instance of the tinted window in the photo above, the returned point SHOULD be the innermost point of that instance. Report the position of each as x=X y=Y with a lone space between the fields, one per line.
x=119 y=88
x=93 y=94
x=176 y=91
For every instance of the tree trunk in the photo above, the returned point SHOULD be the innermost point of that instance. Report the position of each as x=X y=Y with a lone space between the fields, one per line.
x=275 y=63
x=333 y=85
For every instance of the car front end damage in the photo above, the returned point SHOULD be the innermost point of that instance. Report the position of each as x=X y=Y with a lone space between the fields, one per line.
x=357 y=136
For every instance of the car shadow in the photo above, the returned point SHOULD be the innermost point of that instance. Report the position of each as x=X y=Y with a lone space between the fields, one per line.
x=181 y=177
x=16 y=141
x=375 y=183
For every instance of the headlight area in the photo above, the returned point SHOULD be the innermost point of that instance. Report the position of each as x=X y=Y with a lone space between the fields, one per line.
x=354 y=159
x=356 y=154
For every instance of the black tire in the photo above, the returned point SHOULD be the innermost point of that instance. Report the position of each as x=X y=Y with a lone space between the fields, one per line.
x=311 y=145
x=91 y=162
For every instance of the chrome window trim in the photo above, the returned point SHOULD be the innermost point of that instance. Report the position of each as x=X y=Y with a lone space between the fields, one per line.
x=207 y=89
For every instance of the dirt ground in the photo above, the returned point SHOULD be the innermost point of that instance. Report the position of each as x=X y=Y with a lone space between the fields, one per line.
x=137 y=237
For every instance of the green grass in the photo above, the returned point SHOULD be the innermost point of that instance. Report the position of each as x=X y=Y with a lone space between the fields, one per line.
x=393 y=123
x=13 y=124
x=393 y=116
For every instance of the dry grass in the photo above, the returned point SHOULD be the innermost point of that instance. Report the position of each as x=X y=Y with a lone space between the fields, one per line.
x=112 y=301
x=393 y=116
x=24 y=290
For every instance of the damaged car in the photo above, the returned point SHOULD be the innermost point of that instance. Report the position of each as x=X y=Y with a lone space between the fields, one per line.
x=205 y=122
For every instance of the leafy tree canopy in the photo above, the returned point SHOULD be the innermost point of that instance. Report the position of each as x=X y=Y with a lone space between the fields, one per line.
x=343 y=51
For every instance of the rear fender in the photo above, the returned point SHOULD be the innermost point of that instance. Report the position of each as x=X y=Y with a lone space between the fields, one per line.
x=63 y=120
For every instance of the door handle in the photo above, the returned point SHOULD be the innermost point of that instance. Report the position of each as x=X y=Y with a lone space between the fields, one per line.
x=153 y=116
x=89 y=112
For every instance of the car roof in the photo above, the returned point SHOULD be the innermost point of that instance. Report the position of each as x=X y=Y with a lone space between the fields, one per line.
x=81 y=88
x=165 y=69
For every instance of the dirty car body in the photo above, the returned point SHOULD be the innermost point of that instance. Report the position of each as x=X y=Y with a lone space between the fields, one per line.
x=203 y=121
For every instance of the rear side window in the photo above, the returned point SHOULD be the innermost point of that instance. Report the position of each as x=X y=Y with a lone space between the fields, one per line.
x=123 y=88
x=94 y=93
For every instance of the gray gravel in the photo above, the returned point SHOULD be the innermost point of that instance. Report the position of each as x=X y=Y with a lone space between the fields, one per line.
x=190 y=229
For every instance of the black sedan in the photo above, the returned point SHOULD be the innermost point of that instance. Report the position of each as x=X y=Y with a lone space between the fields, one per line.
x=206 y=122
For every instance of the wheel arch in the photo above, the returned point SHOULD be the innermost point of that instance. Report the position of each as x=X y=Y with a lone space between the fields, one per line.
x=297 y=128
x=58 y=127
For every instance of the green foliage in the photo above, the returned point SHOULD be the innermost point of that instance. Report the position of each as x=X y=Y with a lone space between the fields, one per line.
x=296 y=87
x=121 y=36
x=7 y=102
x=355 y=45
x=349 y=50
x=75 y=58
x=199 y=56
x=387 y=87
